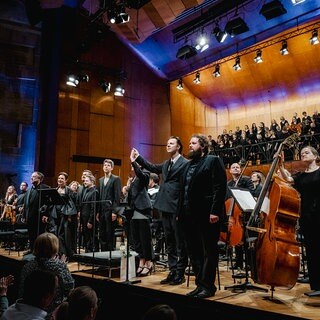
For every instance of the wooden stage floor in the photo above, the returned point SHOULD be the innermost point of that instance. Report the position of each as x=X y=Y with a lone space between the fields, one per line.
x=285 y=304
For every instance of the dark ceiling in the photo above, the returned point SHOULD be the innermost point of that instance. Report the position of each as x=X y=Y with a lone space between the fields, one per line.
x=158 y=28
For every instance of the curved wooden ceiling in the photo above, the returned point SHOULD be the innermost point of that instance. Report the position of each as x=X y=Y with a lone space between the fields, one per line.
x=277 y=78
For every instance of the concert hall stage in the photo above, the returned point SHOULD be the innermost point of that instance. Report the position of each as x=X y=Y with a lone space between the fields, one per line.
x=119 y=298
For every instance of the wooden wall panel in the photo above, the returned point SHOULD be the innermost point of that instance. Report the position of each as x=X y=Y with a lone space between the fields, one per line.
x=101 y=125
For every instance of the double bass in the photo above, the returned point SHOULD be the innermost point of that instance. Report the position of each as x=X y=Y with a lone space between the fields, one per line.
x=234 y=233
x=277 y=254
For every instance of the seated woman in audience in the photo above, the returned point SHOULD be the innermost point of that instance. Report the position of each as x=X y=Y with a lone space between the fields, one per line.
x=45 y=250
x=82 y=304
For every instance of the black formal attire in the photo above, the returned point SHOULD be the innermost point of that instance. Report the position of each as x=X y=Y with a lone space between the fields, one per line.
x=139 y=202
x=157 y=226
x=308 y=185
x=34 y=211
x=109 y=196
x=68 y=221
x=245 y=182
x=203 y=193
x=256 y=191
x=88 y=209
x=167 y=203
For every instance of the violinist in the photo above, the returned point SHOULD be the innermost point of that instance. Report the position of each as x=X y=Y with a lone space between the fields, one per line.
x=307 y=182
x=8 y=212
x=243 y=182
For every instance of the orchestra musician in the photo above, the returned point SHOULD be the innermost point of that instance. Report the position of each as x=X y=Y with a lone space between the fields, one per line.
x=8 y=212
x=307 y=182
x=243 y=182
x=34 y=213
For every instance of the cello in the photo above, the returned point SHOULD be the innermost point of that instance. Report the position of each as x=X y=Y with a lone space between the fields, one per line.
x=277 y=254
x=234 y=233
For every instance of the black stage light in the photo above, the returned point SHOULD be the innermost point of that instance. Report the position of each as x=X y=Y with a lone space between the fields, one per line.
x=273 y=9
x=186 y=52
x=236 y=26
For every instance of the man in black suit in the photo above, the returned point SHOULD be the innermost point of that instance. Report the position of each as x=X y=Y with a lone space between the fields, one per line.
x=167 y=203
x=35 y=214
x=109 y=196
x=203 y=186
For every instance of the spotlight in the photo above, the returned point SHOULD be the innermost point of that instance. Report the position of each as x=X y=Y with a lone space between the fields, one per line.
x=237 y=65
x=297 y=1
x=105 y=86
x=124 y=15
x=272 y=9
x=74 y=80
x=180 y=84
x=219 y=34
x=258 y=57
x=216 y=72
x=284 y=48
x=186 y=52
x=196 y=80
x=118 y=90
x=202 y=43
x=314 y=38
x=118 y=14
x=236 y=27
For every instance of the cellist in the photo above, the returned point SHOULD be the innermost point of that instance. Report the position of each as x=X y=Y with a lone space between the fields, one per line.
x=243 y=182
x=307 y=182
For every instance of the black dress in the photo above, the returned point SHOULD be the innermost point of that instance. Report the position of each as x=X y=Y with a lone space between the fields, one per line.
x=308 y=184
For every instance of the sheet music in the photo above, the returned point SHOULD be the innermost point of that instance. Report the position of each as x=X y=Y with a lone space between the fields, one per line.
x=244 y=199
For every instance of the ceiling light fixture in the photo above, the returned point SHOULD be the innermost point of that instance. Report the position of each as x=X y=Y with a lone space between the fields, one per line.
x=216 y=72
x=196 y=80
x=186 y=52
x=180 y=84
x=273 y=9
x=117 y=14
x=314 y=38
x=202 y=43
x=236 y=26
x=118 y=90
x=284 y=48
x=105 y=86
x=74 y=80
x=258 y=57
x=220 y=35
x=237 y=65
x=297 y=1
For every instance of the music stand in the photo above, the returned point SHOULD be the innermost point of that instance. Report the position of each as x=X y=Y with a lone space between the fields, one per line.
x=246 y=203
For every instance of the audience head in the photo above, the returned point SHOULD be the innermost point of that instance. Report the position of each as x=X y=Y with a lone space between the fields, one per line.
x=39 y=288
x=46 y=245
x=82 y=304
x=160 y=312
